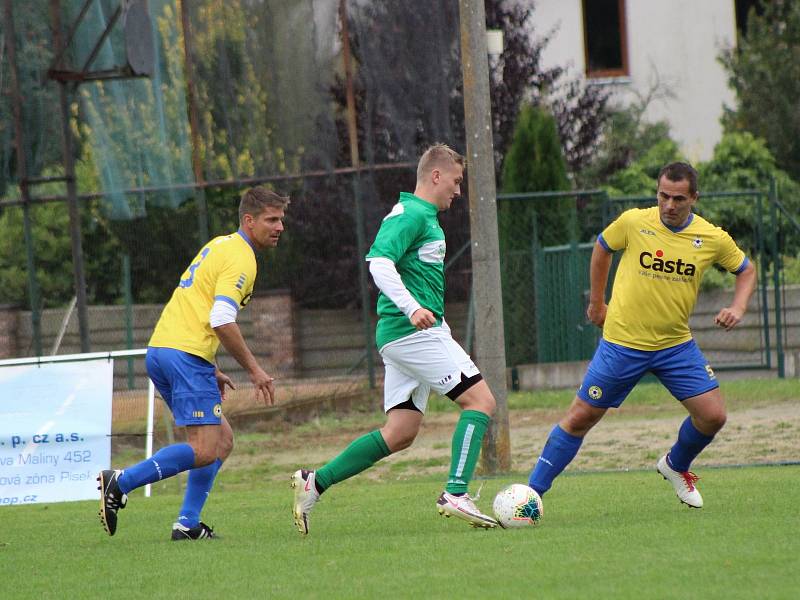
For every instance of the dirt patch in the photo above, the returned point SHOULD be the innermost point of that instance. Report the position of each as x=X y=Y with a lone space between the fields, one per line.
x=630 y=438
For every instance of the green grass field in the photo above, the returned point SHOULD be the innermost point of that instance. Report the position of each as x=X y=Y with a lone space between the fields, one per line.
x=613 y=534
x=603 y=535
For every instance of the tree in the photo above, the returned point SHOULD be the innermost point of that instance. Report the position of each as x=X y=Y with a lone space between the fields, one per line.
x=409 y=94
x=764 y=71
x=518 y=77
x=534 y=162
x=743 y=162
x=42 y=131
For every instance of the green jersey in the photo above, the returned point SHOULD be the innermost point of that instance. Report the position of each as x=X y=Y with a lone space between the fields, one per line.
x=411 y=237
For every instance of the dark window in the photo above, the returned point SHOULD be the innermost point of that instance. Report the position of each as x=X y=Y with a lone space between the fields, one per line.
x=605 y=41
x=742 y=11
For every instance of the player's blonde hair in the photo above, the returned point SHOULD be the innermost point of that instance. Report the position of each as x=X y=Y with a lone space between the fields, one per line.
x=438 y=155
x=255 y=200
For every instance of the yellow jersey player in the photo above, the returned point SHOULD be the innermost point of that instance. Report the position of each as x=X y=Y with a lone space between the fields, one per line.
x=181 y=363
x=666 y=249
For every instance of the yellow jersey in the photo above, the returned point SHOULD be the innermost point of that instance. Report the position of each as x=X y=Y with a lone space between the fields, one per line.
x=224 y=269
x=658 y=277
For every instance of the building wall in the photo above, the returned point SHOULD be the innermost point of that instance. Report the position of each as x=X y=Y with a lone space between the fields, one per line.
x=671 y=44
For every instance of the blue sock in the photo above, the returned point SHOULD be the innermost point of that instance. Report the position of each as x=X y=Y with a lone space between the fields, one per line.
x=690 y=443
x=558 y=452
x=167 y=462
x=197 y=489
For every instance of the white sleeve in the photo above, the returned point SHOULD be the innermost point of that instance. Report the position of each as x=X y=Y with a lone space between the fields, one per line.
x=388 y=281
x=222 y=313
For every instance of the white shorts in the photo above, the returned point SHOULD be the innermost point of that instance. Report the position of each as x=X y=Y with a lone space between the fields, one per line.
x=425 y=360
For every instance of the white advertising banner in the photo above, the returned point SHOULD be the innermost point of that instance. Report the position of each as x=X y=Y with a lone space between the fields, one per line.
x=55 y=423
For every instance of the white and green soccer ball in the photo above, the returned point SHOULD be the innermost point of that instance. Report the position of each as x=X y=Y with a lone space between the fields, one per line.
x=517 y=506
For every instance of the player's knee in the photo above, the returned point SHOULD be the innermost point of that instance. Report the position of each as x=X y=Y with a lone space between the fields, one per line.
x=204 y=455
x=580 y=419
x=716 y=421
x=489 y=405
x=479 y=398
x=399 y=438
x=402 y=442
x=225 y=448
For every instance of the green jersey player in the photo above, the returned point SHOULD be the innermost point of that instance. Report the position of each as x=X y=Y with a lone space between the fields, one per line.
x=419 y=353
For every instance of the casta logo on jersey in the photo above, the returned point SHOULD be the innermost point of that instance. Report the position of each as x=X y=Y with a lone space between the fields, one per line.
x=658 y=263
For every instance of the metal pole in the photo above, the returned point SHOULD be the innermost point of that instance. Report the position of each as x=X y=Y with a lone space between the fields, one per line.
x=22 y=175
x=72 y=195
x=361 y=245
x=762 y=272
x=490 y=345
x=776 y=275
x=151 y=409
x=128 y=294
x=194 y=125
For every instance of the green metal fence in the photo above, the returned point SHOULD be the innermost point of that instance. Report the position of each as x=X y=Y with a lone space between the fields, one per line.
x=563 y=331
x=546 y=241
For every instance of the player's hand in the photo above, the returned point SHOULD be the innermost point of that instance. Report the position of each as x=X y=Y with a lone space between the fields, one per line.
x=423 y=319
x=222 y=381
x=263 y=385
x=728 y=318
x=596 y=313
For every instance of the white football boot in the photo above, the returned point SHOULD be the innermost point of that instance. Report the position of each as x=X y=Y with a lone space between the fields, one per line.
x=305 y=497
x=464 y=508
x=682 y=482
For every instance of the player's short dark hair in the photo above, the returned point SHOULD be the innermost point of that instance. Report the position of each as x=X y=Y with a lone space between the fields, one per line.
x=256 y=199
x=680 y=171
x=436 y=156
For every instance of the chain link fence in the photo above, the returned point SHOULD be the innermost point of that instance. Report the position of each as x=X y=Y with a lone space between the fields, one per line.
x=546 y=244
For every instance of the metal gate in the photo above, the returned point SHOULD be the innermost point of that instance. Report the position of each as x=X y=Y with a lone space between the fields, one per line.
x=551 y=321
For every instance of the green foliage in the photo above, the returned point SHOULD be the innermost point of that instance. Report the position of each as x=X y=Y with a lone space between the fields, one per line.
x=137 y=128
x=743 y=162
x=791 y=270
x=626 y=138
x=40 y=111
x=740 y=162
x=533 y=163
x=639 y=178
x=764 y=71
x=53 y=256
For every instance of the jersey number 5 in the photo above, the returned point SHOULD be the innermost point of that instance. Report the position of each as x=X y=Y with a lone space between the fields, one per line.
x=185 y=283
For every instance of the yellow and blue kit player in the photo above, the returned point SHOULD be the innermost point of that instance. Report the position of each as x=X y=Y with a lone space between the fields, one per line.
x=180 y=360
x=666 y=249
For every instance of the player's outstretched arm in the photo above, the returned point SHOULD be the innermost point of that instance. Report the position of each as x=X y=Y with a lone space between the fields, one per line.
x=730 y=317
x=598 y=278
x=230 y=336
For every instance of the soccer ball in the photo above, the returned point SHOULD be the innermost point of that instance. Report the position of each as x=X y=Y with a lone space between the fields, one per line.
x=517 y=506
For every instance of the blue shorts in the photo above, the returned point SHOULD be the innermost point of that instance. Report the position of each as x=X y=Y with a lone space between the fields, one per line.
x=615 y=369
x=188 y=385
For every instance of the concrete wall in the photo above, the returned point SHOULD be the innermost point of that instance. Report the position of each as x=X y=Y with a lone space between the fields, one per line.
x=268 y=324
x=674 y=44
x=291 y=342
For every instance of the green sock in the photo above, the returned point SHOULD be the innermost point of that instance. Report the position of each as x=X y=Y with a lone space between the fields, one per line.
x=361 y=454
x=467 y=439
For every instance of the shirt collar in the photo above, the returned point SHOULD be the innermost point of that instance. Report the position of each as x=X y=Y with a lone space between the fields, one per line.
x=246 y=239
x=681 y=227
x=409 y=196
